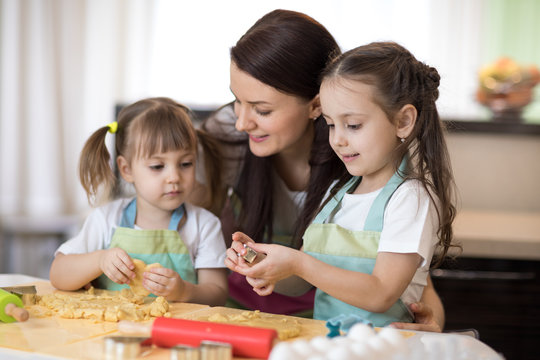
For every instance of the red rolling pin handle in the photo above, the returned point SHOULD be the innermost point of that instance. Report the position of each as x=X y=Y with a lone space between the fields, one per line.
x=246 y=341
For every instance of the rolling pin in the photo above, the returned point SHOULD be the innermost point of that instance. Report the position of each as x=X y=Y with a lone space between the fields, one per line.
x=246 y=341
x=11 y=308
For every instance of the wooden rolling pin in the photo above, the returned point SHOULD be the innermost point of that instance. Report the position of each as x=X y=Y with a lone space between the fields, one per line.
x=246 y=341
x=11 y=308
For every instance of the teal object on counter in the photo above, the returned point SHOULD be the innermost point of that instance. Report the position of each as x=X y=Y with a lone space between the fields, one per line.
x=341 y=324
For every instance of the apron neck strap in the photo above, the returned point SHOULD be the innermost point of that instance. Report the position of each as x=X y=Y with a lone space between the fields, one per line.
x=335 y=200
x=375 y=215
x=130 y=213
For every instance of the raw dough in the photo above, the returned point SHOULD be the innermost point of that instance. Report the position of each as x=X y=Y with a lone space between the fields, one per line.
x=101 y=305
x=136 y=283
x=286 y=327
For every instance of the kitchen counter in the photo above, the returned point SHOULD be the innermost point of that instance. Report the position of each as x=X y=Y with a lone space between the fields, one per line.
x=498 y=234
x=56 y=338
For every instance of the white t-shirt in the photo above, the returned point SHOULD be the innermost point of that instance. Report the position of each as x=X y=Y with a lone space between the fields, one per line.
x=410 y=226
x=201 y=234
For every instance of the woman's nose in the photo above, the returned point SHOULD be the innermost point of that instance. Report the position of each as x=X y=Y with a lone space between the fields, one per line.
x=243 y=118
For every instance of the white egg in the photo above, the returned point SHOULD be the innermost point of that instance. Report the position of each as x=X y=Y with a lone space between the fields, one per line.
x=394 y=337
x=303 y=348
x=283 y=351
x=339 y=353
x=362 y=351
x=341 y=341
x=361 y=332
x=380 y=346
x=316 y=357
x=321 y=343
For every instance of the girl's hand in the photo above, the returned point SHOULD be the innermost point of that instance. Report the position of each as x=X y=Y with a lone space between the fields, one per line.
x=278 y=262
x=237 y=250
x=164 y=282
x=260 y=286
x=117 y=265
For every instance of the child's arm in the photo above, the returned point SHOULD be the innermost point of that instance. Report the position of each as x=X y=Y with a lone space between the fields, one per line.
x=376 y=292
x=73 y=271
x=211 y=289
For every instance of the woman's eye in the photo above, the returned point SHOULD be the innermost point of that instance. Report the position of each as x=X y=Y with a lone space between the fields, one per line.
x=263 y=113
x=331 y=126
x=354 y=126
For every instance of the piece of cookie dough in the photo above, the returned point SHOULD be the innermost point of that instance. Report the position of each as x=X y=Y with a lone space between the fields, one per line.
x=136 y=283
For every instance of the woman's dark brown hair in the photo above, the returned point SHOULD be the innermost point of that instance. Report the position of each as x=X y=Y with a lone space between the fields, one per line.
x=286 y=50
x=400 y=79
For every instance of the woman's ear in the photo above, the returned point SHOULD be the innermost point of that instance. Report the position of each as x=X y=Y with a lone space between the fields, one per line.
x=124 y=168
x=406 y=119
x=315 y=107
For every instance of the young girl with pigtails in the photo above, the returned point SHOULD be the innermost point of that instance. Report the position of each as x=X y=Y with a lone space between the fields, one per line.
x=369 y=249
x=156 y=149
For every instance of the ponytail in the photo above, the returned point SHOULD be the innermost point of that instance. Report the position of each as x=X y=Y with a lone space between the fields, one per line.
x=95 y=171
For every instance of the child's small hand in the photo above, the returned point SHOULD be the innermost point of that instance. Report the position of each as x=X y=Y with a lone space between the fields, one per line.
x=235 y=253
x=260 y=286
x=117 y=265
x=164 y=282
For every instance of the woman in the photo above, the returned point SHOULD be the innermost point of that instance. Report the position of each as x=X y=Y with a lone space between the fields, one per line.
x=279 y=163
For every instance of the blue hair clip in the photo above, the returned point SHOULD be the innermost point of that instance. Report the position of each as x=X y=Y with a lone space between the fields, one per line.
x=340 y=325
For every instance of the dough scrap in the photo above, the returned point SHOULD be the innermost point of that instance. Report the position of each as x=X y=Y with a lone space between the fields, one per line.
x=286 y=328
x=136 y=283
x=101 y=305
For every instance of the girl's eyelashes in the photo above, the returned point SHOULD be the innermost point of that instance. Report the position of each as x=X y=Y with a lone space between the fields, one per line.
x=186 y=164
x=354 y=126
x=156 y=167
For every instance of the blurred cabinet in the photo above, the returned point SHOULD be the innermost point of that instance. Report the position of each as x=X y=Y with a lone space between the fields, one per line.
x=498 y=297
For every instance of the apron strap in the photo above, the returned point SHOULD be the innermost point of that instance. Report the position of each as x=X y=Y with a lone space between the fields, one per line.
x=375 y=217
x=334 y=201
x=130 y=212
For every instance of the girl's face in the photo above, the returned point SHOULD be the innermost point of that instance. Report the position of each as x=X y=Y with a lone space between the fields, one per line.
x=163 y=181
x=360 y=132
x=275 y=122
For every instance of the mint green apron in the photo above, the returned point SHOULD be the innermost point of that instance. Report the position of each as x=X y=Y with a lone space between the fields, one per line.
x=151 y=246
x=352 y=250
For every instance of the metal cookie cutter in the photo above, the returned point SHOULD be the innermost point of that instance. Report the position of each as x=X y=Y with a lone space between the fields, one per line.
x=123 y=347
x=212 y=350
x=250 y=254
x=185 y=352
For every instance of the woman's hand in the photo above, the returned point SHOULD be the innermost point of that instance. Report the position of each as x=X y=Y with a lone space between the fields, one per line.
x=164 y=282
x=117 y=265
x=424 y=319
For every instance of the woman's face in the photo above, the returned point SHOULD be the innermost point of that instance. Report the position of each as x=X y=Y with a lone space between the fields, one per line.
x=275 y=122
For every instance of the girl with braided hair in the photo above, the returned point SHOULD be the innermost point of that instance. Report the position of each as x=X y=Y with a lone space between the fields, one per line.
x=369 y=249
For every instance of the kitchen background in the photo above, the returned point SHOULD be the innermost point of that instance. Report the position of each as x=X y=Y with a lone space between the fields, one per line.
x=66 y=64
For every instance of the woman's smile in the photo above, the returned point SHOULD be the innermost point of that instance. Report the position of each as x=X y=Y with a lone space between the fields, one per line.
x=258 y=139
